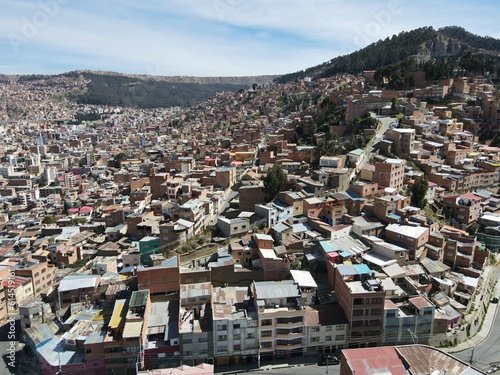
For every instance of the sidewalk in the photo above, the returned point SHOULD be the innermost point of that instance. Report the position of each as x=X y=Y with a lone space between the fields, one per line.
x=489 y=321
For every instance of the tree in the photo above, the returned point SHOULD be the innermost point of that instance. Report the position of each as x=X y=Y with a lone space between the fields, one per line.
x=274 y=182
x=119 y=158
x=394 y=104
x=418 y=192
x=49 y=219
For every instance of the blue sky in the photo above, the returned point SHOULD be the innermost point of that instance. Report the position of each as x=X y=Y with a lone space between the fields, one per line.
x=212 y=37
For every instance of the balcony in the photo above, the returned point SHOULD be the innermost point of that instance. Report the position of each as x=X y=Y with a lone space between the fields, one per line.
x=289 y=346
x=289 y=336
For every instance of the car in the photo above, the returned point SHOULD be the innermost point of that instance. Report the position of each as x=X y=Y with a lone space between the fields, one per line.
x=329 y=359
x=494 y=300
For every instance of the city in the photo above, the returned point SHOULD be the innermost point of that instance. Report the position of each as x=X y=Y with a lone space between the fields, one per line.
x=320 y=219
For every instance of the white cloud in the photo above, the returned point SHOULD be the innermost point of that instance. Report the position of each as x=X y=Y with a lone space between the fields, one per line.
x=218 y=37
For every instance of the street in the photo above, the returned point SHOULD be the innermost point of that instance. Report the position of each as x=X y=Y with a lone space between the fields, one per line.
x=486 y=353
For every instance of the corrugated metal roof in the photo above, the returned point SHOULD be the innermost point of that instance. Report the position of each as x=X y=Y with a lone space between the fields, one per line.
x=277 y=289
x=132 y=329
x=117 y=316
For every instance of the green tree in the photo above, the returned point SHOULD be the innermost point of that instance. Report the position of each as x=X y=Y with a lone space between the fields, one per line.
x=394 y=104
x=49 y=219
x=274 y=182
x=119 y=158
x=418 y=192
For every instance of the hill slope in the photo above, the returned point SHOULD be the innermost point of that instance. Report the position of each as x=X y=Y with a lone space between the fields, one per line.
x=411 y=48
x=156 y=91
x=145 y=91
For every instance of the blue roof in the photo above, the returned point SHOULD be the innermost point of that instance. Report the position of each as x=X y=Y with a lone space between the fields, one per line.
x=356 y=269
x=362 y=269
x=328 y=246
x=346 y=253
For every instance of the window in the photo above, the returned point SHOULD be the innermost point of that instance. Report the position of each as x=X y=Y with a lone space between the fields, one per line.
x=314 y=339
x=339 y=337
x=222 y=348
x=221 y=337
x=358 y=312
x=375 y=312
x=340 y=328
x=266 y=333
x=250 y=335
x=314 y=329
x=328 y=338
x=222 y=327
x=236 y=336
x=358 y=301
x=236 y=326
x=329 y=328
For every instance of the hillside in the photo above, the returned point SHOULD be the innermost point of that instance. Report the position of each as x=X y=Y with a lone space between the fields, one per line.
x=144 y=91
x=412 y=50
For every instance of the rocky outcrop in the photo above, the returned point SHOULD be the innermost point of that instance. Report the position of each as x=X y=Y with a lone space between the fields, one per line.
x=440 y=46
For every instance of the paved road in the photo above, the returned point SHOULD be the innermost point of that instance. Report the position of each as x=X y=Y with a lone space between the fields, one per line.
x=488 y=351
x=296 y=368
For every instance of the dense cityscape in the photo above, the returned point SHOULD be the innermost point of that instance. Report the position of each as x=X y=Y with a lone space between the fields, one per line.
x=329 y=216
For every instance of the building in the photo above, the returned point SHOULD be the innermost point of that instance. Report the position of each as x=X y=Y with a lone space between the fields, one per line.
x=77 y=288
x=41 y=274
x=361 y=296
x=195 y=323
x=390 y=173
x=401 y=141
x=413 y=238
x=236 y=328
x=326 y=329
x=281 y=315
x=408 y=322
x=233 y=227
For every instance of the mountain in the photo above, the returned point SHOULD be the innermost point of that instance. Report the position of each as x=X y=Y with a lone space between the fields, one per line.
x=146 y=91
x=412 y=50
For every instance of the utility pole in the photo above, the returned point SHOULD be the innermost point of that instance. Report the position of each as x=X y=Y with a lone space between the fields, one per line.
x=472 y=355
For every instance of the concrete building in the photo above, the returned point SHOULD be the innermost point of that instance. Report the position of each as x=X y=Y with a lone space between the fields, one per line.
x=413 y=238
x=361 y=296
x=281 y=315
x=409 y=322
x=236 y=328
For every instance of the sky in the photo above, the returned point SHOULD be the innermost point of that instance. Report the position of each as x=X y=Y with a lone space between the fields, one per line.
x=212 y=37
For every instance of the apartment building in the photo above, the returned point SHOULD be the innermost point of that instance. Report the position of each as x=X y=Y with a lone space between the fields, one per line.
x=195 y=323
x=41 y=274
x=408 y=322
x=390 y=173
x=402 y=141
x=413 y=238
x=125 y=339
x=162 y=340
x=361 y=296
x=326 y=329
x=236 y=326
x=463 y=209
x=281 y=315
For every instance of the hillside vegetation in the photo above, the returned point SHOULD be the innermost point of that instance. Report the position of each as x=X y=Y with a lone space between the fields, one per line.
x=440 y=54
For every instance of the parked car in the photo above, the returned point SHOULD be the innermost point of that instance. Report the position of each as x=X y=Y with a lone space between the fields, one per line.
x=330 y=359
